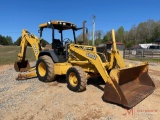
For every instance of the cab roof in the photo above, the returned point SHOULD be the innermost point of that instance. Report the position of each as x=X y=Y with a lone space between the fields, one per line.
x=59 y=25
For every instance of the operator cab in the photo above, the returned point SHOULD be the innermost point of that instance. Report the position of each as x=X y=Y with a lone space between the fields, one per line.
x=59 y=46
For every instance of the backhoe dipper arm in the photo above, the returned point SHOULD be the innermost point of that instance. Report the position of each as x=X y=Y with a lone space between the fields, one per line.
x=23 y=65
x=33 y=41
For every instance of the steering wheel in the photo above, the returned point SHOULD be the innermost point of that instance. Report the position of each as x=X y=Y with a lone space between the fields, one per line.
x=67 y=40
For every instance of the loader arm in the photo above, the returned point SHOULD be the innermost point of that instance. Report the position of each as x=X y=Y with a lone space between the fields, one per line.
x=93 y=59
x=27 y=37
x=115 y=55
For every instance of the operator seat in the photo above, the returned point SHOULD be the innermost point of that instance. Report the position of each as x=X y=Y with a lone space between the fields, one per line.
x=57 y=46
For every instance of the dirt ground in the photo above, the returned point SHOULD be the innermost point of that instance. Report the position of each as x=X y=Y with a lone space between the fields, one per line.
x=35 y=100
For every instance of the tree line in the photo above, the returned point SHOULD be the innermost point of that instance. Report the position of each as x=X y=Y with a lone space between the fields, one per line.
x=8 y=41
x=18 y=41
x=144 y=32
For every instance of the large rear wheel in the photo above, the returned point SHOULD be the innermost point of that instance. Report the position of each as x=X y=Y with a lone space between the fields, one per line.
x=44 y=69
x=76 y=79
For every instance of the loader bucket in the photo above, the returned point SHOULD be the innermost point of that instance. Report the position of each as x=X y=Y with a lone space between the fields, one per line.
x=129 y=86
x=21 y=66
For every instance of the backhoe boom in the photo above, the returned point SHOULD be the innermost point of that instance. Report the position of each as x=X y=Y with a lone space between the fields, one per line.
x=22 y=65
x=34 y=41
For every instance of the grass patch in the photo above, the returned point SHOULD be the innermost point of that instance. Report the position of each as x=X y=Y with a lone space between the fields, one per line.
x=8 y=54
x=155 y=60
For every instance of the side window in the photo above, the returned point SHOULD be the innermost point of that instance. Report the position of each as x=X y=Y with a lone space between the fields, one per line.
x=154 y=47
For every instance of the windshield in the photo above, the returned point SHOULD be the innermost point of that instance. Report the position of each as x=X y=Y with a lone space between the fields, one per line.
x=154 y=47
x=65 y=35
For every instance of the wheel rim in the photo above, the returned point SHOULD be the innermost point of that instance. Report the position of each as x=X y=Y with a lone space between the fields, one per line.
x=73 y=79
x=42 y=69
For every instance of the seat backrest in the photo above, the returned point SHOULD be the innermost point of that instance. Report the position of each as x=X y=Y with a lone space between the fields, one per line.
x=57 y=44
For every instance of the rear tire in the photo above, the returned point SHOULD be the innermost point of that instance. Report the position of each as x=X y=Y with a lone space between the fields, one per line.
x=44 y=69
x=76 y=79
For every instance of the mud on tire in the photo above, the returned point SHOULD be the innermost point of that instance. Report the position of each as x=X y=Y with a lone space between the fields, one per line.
x=44 y=69
x=76 y=79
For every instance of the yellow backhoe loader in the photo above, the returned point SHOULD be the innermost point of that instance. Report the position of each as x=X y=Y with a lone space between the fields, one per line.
x=124 y=85
x=22 y=65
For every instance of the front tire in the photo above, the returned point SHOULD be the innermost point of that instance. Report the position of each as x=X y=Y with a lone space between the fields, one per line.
x=44 y=69
x=76 y=79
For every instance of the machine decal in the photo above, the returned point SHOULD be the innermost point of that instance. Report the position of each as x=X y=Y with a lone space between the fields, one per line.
x=91 y=56
x=35 y=49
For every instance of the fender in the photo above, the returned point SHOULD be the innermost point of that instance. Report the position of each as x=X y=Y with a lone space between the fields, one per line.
x=50 y=53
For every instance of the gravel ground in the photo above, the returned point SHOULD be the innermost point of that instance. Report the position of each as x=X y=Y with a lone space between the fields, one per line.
x=35 y=100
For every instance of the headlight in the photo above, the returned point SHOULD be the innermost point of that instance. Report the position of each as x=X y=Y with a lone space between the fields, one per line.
x=64 y=23
x=49 y=23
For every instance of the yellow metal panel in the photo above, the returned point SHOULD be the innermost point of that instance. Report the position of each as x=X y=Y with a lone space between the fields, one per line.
x=55 y=23
x=43 y=25
x=61 y=68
